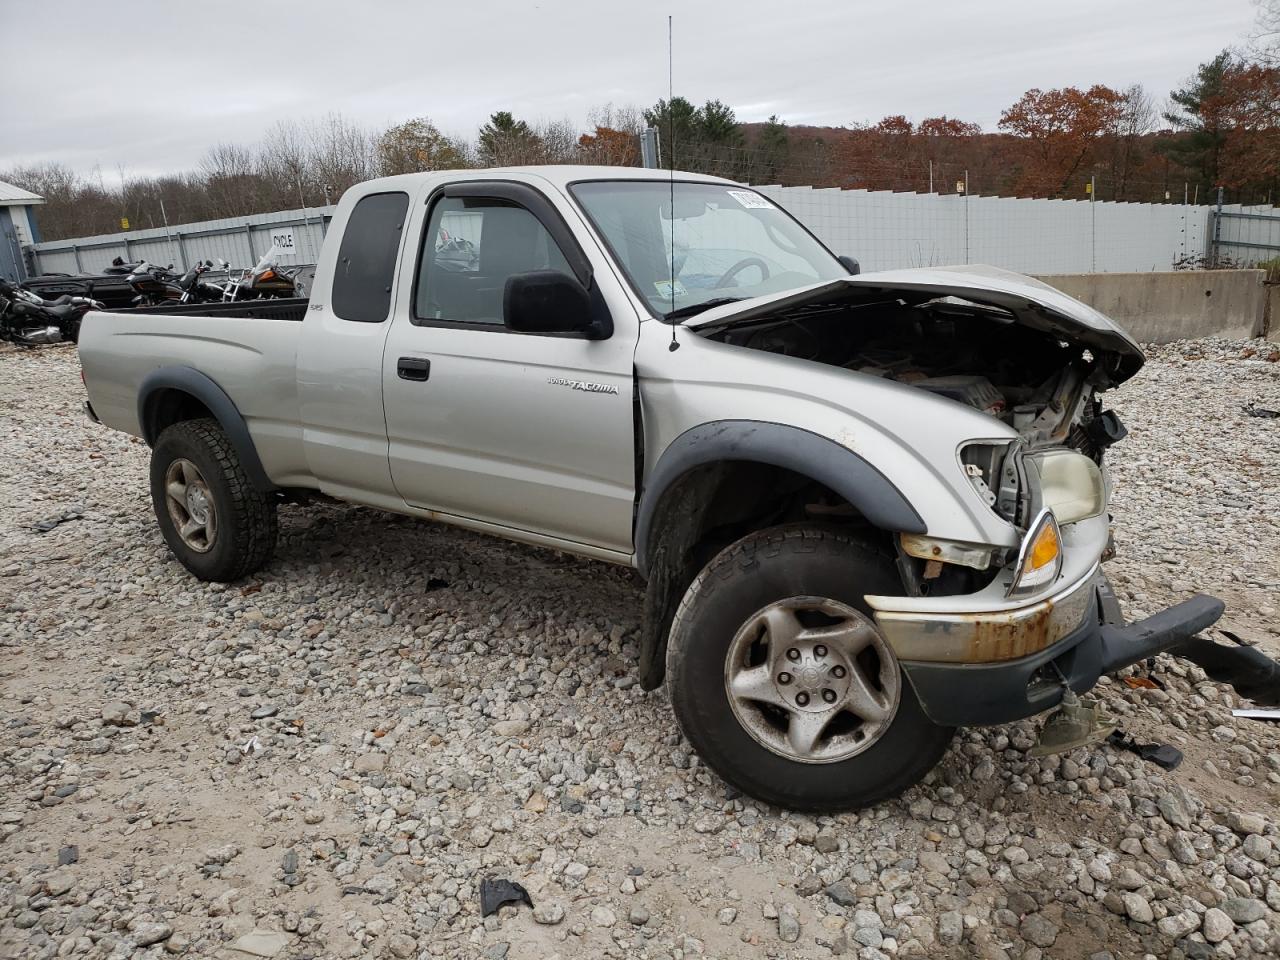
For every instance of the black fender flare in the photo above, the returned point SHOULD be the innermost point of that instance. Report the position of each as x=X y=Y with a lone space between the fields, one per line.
x=779 y=445
x=191 y=381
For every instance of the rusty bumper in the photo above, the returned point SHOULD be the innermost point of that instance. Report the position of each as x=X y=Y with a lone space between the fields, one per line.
x=976 y=694
x=990 y=636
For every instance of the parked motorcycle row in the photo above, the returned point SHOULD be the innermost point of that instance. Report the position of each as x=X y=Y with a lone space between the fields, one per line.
x=29 y=319
x=156 y=286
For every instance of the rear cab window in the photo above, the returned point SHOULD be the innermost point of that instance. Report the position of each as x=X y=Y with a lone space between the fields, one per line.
x=366 y=264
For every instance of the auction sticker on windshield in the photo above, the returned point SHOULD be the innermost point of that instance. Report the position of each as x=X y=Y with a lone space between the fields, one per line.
x=749 y=199
x=666 y=289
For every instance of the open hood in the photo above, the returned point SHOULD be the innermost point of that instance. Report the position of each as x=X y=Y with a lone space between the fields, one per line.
x=1025 y=300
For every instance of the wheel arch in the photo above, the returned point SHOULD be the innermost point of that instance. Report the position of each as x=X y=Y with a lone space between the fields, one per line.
x=791 y=448
x=678 y=526
x=169 y=395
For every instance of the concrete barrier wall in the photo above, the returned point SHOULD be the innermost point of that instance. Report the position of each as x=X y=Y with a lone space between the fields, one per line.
x=1162 y=307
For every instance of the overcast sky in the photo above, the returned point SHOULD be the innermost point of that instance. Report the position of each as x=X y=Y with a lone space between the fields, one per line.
x=149 y=86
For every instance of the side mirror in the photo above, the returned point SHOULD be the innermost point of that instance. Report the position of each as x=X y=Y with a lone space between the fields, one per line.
x=548 y=301
x=851 y=265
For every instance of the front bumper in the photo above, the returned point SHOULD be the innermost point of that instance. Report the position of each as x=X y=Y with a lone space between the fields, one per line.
x=977 y=694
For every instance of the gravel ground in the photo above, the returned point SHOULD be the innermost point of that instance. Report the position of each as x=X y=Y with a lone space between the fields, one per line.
x=325 y=761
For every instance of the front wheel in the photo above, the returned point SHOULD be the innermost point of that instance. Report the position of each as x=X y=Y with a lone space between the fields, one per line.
x=782 y=682
x=216 y=522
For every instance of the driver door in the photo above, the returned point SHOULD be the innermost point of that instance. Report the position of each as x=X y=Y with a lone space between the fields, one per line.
x=524 y=432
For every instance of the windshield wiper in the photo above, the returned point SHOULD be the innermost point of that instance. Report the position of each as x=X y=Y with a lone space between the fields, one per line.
x=696 y=308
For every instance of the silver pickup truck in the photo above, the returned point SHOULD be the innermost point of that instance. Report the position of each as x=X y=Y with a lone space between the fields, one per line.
x=869 y=508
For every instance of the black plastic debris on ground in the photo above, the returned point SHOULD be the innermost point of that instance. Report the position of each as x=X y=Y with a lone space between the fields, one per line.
x=1262 y=412
x=494 y=893
x=44 y=526
x=1248 y=670
x=1161 y=754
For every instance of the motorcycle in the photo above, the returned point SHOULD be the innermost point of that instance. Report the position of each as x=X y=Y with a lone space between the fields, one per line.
x=29 y=320
x=153 y=285
x=265 y=281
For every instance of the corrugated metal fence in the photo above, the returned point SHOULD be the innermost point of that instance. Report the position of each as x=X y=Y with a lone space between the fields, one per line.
x=883 y=230
x=240 y=241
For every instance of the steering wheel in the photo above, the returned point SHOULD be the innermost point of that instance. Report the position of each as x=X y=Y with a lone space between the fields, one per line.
x=741 y=265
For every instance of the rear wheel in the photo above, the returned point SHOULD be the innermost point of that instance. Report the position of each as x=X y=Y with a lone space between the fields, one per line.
x=214 y=520
x=784 y=685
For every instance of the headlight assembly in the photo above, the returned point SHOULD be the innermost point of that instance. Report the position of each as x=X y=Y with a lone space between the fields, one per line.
x=1071 y=485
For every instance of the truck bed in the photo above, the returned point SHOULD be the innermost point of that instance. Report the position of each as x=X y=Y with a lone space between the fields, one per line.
x=247 y=349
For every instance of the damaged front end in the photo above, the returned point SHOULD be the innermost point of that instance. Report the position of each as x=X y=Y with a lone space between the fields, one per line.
x=991 y=632
x=1009 y=346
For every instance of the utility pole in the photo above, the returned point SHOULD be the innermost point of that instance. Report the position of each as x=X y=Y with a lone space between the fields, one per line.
x=1093 y=224
x=649 y=148
x=1217 y=231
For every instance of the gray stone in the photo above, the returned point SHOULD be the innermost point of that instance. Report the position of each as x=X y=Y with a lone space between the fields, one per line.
x=788 y=924
x=144 y=934
x=371 y=762
x=1178 y=925
x=950 y=927
x=511 y=728
x=639 y=915
x=1137 y=908
x=1176 y=807
x=840 y=892
x=1246 y=822
x=117 y=713
x=1217 y=925
x=1038 y=929
x=402 y=945
x=1244 y=910
x=548 y=913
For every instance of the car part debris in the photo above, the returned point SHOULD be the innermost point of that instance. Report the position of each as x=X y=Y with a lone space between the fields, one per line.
x=1252 y=714
x=1262 y=412
x=1250 y=672
x=44 y=526
x=494 y=893
x=1142 y=683
x=1075 y=723
x=1161 y=754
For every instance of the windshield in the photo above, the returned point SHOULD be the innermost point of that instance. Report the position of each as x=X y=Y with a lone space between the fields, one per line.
x=723 y=243
x=269 y=260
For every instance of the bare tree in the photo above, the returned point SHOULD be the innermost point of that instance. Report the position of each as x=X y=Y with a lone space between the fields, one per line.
x=1266 y=38
x=341 y=155
x=1134 y=119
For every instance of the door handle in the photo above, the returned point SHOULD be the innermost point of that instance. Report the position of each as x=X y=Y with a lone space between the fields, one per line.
x=413 y=368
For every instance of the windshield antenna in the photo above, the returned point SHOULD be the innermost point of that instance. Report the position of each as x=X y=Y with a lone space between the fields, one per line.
x=671 y=177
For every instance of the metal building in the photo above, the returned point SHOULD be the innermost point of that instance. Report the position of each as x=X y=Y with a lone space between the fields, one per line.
x=17 y=229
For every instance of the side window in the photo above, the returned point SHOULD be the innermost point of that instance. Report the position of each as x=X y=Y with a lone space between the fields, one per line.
x=470 y=247
x=367 y=258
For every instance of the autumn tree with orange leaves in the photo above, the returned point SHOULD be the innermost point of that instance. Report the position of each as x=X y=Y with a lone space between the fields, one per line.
x=1059 y=132
x=609 y=147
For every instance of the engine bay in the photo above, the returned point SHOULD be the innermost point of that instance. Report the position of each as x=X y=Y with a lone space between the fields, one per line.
x=970 y=353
